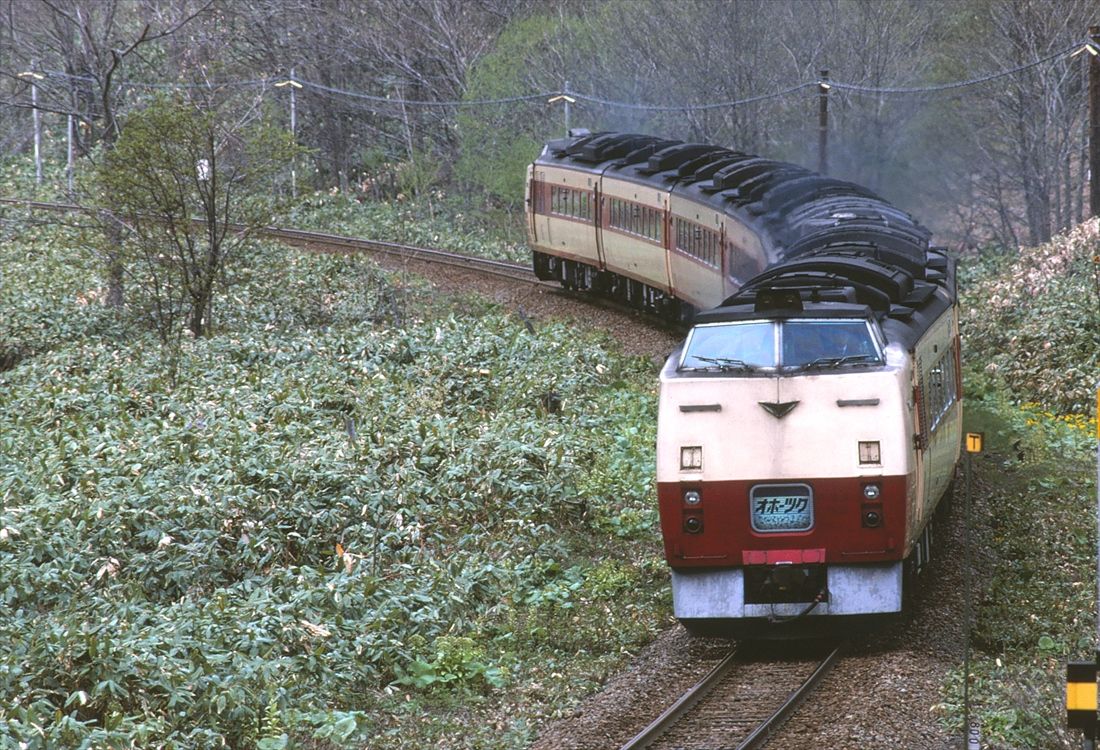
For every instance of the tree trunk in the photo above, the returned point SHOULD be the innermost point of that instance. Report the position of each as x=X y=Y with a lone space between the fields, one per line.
x=116 y=297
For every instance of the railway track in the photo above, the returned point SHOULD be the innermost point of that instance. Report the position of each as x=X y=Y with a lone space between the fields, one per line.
x=506 y=269
x=739 y=703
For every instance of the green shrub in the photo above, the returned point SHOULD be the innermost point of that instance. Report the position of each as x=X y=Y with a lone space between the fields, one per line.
x=258 y=550
x=1034 y=321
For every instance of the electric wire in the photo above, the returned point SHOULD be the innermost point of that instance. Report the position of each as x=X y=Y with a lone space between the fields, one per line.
x=333 y=91
x=954 y=84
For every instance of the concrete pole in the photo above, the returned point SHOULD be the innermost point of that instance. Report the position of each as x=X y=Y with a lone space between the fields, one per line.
x=293 y=133
x=1094 y=123
x=37 y=129
x=823 y=123
x=566 y=92
x=69 y=155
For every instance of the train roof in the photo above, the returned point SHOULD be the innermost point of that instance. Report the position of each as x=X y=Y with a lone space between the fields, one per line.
x=798 y=210
x=831 y=285
x=829 y=241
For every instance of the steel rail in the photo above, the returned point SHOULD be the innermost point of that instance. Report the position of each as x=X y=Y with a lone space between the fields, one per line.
x=763 y=732
x=43 y=205
x=697 y=692
x=503 y=268
x=409 y=252
x=684 y=704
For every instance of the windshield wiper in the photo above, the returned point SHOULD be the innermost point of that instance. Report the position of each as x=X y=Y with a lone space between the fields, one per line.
x=725 y=363
x=833 y=362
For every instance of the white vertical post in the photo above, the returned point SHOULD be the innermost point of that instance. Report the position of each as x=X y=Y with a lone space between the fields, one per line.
x=293 y=107
x=34 y=78
x=37 y=135
x=568 y=100
x=293 y=85
x=69 y=155
x=293 y=133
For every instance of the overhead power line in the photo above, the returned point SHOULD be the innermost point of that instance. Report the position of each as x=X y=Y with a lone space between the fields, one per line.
x=691 y=107
x=386 y=101
x=931 y=89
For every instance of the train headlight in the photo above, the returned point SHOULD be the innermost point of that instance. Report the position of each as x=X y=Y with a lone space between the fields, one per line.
x=692 y=497
x=871 y=491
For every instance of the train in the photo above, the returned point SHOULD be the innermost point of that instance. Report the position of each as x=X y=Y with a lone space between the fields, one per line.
x=809 y=425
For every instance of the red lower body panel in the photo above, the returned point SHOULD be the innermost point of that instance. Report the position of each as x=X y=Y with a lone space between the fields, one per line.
x=846 y=528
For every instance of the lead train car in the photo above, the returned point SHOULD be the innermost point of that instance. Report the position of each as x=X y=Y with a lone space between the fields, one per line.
x=810 y=423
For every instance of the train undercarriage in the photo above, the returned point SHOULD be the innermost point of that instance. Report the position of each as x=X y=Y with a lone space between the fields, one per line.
x=582 y=277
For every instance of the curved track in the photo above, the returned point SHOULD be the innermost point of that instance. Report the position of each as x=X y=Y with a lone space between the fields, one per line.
x=507 y=269
x=739 y=703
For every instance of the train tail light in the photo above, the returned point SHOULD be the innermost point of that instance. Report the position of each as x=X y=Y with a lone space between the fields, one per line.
x=871 y=515
x=693 y=512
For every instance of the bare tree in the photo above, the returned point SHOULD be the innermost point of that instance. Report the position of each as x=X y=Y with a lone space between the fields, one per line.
x=83 y=48
x=177 y=159
x=1027 y=129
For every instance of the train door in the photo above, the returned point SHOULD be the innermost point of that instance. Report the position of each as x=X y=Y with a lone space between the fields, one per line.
x=725 y=262
x=529 y=202
x=921 y=464
x=598 y=212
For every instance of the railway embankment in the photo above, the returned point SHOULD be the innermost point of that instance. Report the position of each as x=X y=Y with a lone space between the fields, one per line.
x=1031 y=333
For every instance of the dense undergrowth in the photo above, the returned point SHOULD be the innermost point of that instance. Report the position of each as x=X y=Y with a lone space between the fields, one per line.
x=1032 y=320
x=1031 y=327
x=352 y=517
x=431 y=220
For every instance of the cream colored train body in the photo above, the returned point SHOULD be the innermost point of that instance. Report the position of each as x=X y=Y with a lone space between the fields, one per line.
x=810 y=423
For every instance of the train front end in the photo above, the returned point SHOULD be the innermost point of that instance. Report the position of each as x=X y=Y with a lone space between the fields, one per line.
x=784 y=469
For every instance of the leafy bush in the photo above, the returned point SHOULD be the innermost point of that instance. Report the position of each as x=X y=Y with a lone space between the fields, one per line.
x=45 y=303
x=1034 y=321
x=426 y=222
x=1030 y=340
x=1035 y=502
x=341 y=498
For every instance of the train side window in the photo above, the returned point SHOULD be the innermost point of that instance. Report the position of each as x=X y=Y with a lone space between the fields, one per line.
x=941 y=390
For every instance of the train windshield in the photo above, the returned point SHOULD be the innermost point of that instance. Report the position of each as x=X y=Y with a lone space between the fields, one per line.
x=787 y=345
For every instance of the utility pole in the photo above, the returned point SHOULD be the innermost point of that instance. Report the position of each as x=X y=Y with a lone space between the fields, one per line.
x=34 y=78
x=69 y=155
x=568 y=101
x=293 y=85
x=1094 y=120
x=565 y=99
x=823 y=122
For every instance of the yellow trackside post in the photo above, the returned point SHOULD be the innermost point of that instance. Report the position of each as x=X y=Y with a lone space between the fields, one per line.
x=1081 y=699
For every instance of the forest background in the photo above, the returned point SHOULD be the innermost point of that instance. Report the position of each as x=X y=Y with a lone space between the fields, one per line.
x=411 y=98
x=326 y=505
